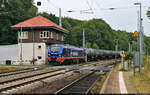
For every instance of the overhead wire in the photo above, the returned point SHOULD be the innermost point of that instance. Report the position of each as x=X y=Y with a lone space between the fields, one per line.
x=54 y=6
x=90 y=10
x=89 y=5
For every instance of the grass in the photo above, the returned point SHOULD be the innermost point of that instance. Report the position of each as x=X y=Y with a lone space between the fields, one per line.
x=126 y=70
x=47 y=69
x=141 y=81
x=94 y=64
x=117 y=67
x=8 y=68
x=122 y=69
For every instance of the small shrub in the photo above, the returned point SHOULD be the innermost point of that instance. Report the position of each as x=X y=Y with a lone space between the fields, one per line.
x=122 y=69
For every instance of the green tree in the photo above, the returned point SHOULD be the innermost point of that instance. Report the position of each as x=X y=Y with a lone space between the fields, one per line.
x=88 y=45
x=148 y=14
x=14 y=12
x=95 y=46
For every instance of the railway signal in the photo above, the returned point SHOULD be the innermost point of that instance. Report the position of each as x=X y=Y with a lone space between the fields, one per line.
x=116 y=42
x=135 y=34
x=123 y=55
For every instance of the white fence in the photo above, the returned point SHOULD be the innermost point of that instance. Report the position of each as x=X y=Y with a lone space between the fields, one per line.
x=8 y=52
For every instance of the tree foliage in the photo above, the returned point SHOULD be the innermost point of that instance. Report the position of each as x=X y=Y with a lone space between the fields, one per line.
x=14 y=12
x=88 y=45
x=148 y=14
x=95 y=46
x=129 y=56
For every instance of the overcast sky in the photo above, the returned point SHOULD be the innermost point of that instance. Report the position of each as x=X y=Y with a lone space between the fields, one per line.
x=124 y=17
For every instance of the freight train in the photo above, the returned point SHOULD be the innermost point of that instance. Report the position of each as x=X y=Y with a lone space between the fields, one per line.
x=66 y=54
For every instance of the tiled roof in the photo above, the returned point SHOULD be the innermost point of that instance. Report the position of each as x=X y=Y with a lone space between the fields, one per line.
x=38 y=21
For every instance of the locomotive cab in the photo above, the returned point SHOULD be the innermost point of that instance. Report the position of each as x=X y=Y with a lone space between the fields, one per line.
x=54 y=53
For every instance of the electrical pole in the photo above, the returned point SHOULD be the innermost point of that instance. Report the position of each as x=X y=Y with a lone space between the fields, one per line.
x=141 y=42
x=116 y=49
x=21 y=43
x=140 y=38
x=84 y=46
x=33 y=38
x=129 y=46
x=83 y=38
x=60 y=24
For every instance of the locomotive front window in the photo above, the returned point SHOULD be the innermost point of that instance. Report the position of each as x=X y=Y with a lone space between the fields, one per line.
x=55 y=49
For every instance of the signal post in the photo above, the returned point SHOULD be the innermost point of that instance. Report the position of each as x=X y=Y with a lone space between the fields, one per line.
x=123 y=55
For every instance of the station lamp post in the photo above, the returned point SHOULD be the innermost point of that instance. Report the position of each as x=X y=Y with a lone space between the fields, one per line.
x=140 y=37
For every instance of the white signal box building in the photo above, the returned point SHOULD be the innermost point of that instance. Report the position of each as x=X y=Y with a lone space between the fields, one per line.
x=34 y=37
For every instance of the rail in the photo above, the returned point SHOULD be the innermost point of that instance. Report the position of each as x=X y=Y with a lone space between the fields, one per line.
x=80 y=85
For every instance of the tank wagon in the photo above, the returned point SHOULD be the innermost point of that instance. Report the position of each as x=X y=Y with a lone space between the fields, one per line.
x=66 y=54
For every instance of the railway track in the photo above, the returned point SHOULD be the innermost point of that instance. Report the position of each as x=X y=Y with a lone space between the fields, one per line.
x=101 y=62
x=18 y=72
x=18 y=82
x=14 y=72
x=81 y=85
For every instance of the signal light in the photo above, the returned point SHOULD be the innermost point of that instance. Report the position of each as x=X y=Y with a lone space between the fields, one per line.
x=116 y=42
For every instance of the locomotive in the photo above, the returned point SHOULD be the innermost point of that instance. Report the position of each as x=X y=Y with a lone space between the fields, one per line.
x=66 y=54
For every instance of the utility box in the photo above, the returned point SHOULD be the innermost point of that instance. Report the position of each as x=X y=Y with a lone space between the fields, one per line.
x=8 y=62
x=136 y=59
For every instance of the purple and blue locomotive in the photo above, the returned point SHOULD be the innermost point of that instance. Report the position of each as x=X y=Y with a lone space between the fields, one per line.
x=58 y=54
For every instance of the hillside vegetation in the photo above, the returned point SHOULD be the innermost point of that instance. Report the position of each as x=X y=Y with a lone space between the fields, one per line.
x=98 y=33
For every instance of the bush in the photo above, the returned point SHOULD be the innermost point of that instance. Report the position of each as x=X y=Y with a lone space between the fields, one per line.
x=129 y=56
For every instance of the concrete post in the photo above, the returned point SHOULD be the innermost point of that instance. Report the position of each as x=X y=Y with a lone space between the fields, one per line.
x=60 y=23
x=84 y=46
x=141 y=43
x=21 y=43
